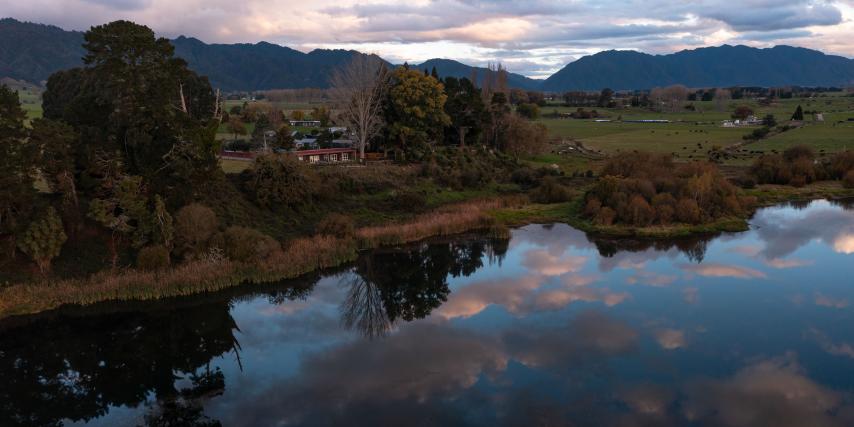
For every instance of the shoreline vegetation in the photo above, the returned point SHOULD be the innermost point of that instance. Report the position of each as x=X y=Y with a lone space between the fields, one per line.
x=305 y=255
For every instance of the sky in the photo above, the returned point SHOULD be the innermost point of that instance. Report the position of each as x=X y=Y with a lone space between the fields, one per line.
x=530 y=37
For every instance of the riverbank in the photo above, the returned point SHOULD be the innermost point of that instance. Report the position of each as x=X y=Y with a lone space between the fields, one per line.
x=304 y=255
x=214 y=272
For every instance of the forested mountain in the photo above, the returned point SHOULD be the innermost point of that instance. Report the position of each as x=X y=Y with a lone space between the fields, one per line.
x=705 y=67
x=32 y=52
x=449 y=67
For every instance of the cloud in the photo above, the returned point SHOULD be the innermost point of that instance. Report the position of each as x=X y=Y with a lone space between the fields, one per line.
x=722 y=270
x=533 y=37
x=836 y=349
x=670 y=339
x=589 y=336
x=771 y=392
x=546 y=264
x=826 y=301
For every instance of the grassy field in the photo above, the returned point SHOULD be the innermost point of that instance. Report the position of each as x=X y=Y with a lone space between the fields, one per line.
x=30 y=95
x=690 y=134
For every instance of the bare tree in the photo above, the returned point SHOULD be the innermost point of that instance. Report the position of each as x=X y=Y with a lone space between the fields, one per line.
x=722 y=97
x=359 y=88
x=363 y=309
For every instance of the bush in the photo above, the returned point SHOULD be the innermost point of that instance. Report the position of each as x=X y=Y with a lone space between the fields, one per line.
x=848 y=179
x=337 y=225
x=795 y=167
x=194 y=226
x=642 y=189
x=551 y=191
x=688 y=211
x=280 y=180
x=43 y=239
x=246 y=244
x=153 y=258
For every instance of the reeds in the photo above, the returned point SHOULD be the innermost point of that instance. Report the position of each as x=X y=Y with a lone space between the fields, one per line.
x=445 y=221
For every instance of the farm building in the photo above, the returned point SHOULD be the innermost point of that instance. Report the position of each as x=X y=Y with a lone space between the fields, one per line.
x=305 y=123
x=326 y=155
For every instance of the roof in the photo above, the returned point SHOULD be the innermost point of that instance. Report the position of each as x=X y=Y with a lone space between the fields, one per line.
x=323 y=151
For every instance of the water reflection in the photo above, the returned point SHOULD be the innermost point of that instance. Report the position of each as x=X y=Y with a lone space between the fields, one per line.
x=552 y=327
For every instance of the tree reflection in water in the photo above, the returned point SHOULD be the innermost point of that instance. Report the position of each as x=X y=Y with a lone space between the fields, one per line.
x=694 y=247
x=392 y=284
x=75 y=367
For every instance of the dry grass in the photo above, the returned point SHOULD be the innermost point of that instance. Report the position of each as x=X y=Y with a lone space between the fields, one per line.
x=213 y=273
x=449 y=220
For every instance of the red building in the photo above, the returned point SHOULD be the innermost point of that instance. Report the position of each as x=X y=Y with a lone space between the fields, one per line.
x=326 y=155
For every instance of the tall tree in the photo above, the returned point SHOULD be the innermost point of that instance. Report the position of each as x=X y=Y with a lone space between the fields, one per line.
x=17 y=167
x=57 y=142
x=415 y=109
x=360 y=89
x=133 y=97
x=465 y=108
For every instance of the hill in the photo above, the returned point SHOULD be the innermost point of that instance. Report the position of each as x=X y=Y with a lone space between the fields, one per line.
x=705 y=67
x=32 y=52
x=449 y=67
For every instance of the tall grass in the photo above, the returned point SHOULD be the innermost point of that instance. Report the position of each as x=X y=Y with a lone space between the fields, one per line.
x=213 y=273
x=449 y=220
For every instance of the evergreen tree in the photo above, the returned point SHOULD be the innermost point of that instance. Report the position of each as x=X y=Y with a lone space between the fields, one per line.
x=799 y=114
x=43 y=239
x=18 y=159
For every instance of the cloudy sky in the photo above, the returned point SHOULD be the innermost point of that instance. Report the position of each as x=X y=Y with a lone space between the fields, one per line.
x=531 y=37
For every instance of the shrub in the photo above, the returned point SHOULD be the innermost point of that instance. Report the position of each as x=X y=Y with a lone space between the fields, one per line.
x=848 y=179
x=551 y=191
x=605 y=216
x=643 y=188
x=794 y=167
x=194 y=226
x=688 y=211
x=639 y=212
x=841 y=164
x=43 y=239
x=246 y=244
x=279 y=180
x=153 y=258
x=337 y=225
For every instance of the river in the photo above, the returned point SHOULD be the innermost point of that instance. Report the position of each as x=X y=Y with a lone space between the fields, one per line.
x=550 y=327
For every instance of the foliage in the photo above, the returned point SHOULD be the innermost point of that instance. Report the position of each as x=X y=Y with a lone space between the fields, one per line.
x=195 y=224
x=58 y=143
x=551 y=190
x=466 y=110
x=134 y=99
x=848 y=179
x=643 y=189
x=245 y=244
x=465 y=167
x=17 y=165
x=742 y=112
x=282 y=181
x=529 y=111
x=523 y=137
x=415 y=109
x=798 y=115
x=153 y=258
x=43 y=239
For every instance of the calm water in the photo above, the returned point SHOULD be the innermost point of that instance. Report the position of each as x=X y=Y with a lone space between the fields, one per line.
x=548 y=328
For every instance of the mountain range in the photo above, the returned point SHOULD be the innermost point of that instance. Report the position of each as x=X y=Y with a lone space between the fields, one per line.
x=32 y=52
